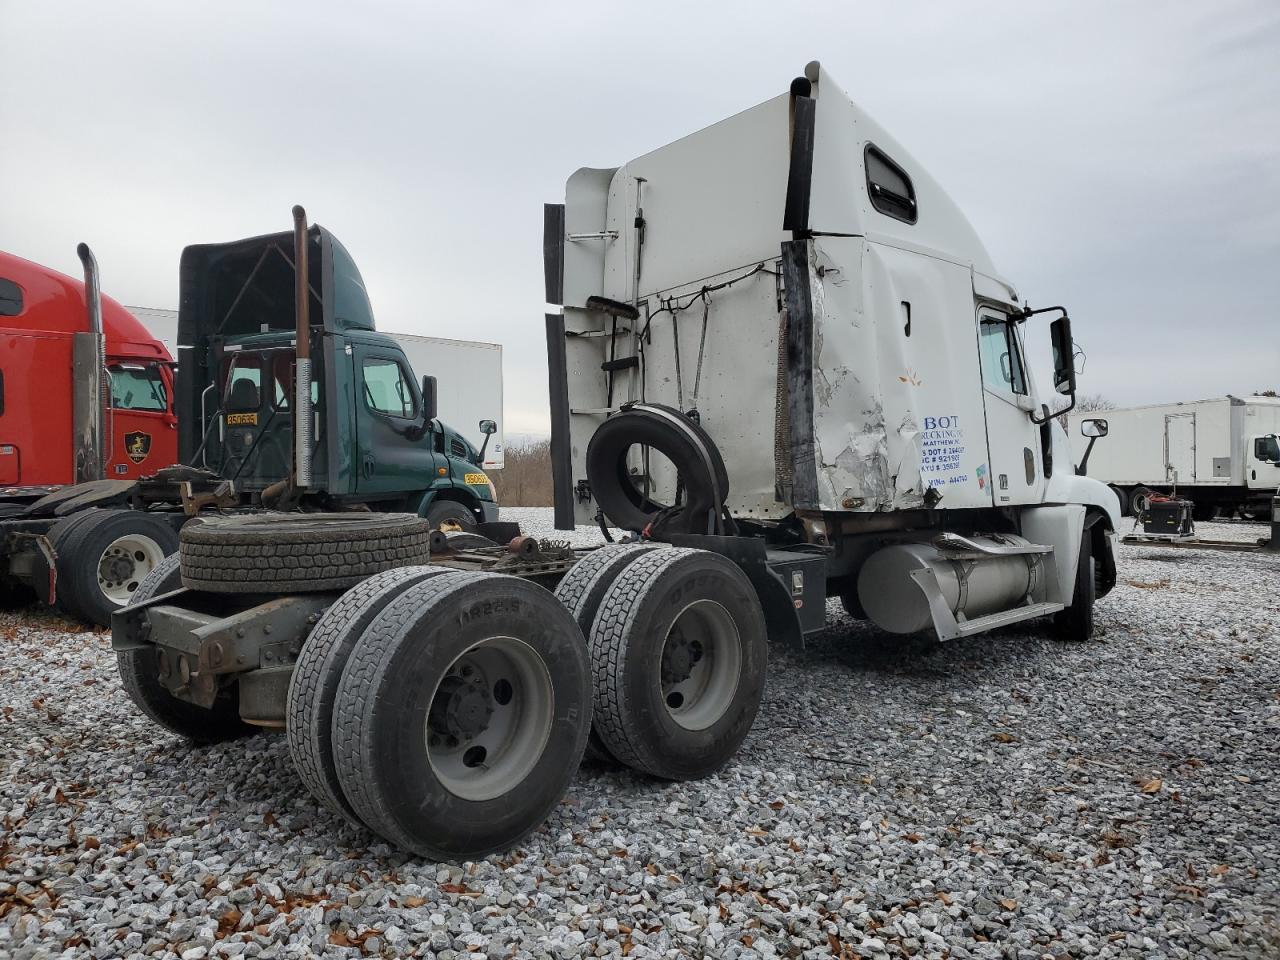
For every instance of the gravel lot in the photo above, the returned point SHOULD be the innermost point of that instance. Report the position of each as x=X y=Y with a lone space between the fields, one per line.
x=1003 y=796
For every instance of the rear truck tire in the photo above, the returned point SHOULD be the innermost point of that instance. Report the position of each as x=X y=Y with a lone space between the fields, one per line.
x=1075 y=623
x=462 y=715
x=580 y=592
x=318 y=671
x=1249 y=513
x=56 y=536
x=103 y=557
x=1204 y=512
x=299 y=553
x=446 y=511
x=1139 y=497
x=678 y=653
x=1123 y=498
x=140 y=677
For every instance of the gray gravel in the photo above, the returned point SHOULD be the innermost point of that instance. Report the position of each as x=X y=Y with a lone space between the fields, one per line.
x=1003 y=796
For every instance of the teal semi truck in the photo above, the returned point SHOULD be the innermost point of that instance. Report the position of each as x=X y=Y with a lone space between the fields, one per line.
x=342 y=424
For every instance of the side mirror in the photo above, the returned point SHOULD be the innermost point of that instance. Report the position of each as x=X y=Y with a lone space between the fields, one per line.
x=488 y=426
x=1064 y=361
x=1093 y=428
x=428 y=399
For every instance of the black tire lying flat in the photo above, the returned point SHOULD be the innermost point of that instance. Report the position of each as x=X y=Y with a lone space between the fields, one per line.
x=299 y=552
x=141 y=679
x=678 y=654
x=464 y=655
x=1075 y=623
x=446 y=511
x=580 y=592
x=318 y=671
x=104 y=555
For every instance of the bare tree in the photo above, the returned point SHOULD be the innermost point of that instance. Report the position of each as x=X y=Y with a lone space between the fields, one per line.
x=525 y=477
x=1089 y=402
x=1265 y=393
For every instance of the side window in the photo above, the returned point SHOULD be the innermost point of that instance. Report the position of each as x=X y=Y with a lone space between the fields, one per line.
x=10 y=298
x=1001 y=360
x=889 y=186
x=387 y=389
x=138 y=387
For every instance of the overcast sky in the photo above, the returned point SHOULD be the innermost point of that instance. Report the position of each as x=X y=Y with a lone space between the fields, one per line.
x=1120 y=158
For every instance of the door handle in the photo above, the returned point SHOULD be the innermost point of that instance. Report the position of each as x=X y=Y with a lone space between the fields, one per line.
x=368 y=465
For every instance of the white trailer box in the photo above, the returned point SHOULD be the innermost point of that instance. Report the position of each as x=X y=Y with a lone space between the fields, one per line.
x=468 y=376
x=1221 y=453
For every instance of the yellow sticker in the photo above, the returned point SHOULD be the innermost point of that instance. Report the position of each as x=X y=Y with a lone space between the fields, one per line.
x=242 y=419
x=476 y=479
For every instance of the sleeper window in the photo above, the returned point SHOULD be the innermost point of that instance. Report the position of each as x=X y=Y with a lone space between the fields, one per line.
x=1001 y=361
x=10 y=298
x=889 y=186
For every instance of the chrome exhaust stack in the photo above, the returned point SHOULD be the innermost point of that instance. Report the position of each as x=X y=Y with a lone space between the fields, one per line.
x=88 y=363
x=302 y=372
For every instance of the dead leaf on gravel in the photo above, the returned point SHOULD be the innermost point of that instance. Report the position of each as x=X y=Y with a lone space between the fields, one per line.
x=1004 y=737
x=412 y=902
x=945 y=898
x=777 y=805
x=1154 y=785
x=1009 y=904
x=1219 y=870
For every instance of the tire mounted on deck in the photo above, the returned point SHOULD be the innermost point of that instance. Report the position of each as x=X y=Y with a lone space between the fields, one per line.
x=301 y=553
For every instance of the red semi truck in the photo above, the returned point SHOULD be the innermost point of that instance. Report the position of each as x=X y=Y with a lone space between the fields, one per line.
x=42 y=312
x=86 y=408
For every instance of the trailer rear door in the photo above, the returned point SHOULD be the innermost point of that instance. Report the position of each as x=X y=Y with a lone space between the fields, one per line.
x=1180 y=447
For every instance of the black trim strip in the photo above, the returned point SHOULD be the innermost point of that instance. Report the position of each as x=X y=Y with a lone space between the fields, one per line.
x=553 y=251
x=561 y=443
x=796 y=280
x=800 y=171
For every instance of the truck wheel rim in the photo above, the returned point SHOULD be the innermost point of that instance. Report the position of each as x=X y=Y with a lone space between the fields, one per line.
x=490 y=718
x=124 y=564
x=701 y=665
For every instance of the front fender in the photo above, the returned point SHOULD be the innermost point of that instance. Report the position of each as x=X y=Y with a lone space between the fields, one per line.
x=1069 y=488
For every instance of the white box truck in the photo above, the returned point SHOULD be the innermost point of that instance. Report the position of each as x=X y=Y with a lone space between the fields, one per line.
x=468 y=376
x=1222 y=454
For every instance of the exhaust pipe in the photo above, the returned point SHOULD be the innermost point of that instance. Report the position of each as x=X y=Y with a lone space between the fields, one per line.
x=302 y=372
x=88 y=369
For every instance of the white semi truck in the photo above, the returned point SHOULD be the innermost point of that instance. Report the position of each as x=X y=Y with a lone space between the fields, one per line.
x=1222 y=454
x=780 y=332
x=784 y=363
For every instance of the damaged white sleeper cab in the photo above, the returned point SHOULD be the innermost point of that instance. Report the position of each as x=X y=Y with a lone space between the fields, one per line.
x=781 y=341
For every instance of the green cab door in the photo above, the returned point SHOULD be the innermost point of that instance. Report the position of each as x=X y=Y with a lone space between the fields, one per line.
x=392 y=455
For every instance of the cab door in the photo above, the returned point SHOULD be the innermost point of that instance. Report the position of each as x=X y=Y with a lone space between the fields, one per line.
x=393 y=455
x=141 y=429
x=1013 y=441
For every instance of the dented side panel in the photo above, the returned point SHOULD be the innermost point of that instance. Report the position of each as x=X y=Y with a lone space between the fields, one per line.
x=897 y=393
